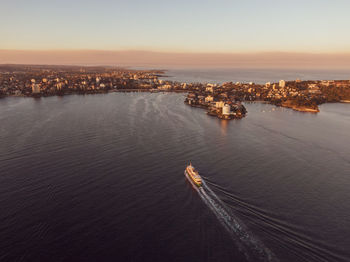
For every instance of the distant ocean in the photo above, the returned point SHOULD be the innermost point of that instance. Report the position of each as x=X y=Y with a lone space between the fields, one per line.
x=259 y=76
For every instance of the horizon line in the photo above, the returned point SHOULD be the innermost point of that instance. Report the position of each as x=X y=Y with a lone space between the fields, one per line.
x=177 y=51
x=169 y=59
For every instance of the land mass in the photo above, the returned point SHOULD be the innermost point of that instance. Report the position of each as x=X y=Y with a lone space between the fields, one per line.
x=221 y=100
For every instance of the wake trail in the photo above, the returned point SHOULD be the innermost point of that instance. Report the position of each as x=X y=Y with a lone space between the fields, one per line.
x=251 y=246
x=299 y=243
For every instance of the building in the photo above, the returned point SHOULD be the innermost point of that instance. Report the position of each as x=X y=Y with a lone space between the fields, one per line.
x=219 y=104
x=325 y=83
x=201 y=99
x=268 y=84
x=164 y=87
x=209 y=89
x=226 y=109
x=282 y=84
x=209 y=99
x=312 y=86
x=35 y=89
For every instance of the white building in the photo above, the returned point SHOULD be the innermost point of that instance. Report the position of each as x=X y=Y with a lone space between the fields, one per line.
x=226 y=110
x=282 y=83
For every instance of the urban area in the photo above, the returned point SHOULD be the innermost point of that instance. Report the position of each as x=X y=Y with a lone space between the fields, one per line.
x=220 y=100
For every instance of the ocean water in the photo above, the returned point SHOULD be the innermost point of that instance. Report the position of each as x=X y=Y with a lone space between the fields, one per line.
x=259 y=76
x=101 y=178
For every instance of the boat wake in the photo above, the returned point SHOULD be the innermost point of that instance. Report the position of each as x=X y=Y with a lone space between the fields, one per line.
x=251 y=246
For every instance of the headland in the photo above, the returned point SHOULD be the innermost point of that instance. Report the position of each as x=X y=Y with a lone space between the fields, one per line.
x=224 y=101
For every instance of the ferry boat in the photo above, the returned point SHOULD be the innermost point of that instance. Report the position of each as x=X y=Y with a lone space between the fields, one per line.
x=193 y=175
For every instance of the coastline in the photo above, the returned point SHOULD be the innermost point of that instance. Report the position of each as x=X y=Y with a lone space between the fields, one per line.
x=220 y=100
x=298 y=108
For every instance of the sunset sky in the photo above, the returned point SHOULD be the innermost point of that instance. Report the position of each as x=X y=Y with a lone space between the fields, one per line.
x=317 y=27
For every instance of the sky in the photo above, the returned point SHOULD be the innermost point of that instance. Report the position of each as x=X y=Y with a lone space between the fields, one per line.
x=248 y=27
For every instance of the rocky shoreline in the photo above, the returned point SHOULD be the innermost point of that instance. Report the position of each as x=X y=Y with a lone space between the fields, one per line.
x=306 y=109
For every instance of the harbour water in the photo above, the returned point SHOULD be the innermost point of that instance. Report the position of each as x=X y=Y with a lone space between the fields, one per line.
x=259 y=76
x=101 y=178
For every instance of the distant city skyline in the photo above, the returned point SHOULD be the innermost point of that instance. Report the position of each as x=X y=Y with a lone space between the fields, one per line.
x=318 y=29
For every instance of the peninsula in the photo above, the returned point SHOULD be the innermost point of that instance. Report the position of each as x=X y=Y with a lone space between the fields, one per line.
x=222 y=100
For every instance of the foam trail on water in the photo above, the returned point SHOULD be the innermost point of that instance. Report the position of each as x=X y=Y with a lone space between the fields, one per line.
x=253 y=249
